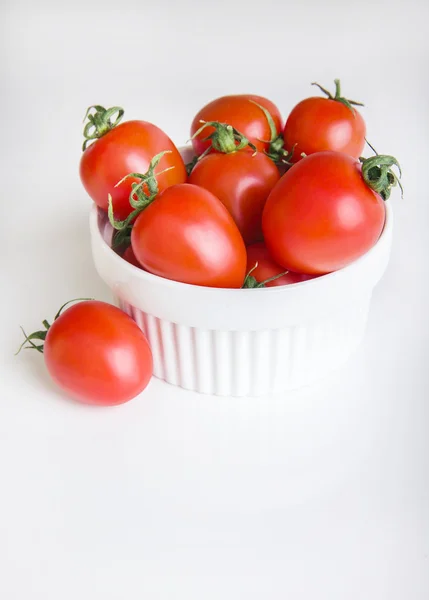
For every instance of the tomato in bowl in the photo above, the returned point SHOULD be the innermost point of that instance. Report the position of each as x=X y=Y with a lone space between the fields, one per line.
x=244 y=342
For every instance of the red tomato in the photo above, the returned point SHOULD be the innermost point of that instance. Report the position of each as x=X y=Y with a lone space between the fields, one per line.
x=322 y=215
x=242 y=182
x=317 y=124
x=267 y=267
x=243 y=115
x=129 y=256
x=128 y=148
x=187 y=235
x=98 y=354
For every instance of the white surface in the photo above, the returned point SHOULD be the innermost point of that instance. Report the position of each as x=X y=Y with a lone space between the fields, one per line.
x=321 y=494
x=245 y=342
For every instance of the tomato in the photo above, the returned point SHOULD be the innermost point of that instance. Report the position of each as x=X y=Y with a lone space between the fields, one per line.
x=238 y=111
x=323 y=214
x=188 y=235
x=96 y=353
x=129 y=256
x=317 y=124
x=267 y=267
x=127 y=148
x=242 y=182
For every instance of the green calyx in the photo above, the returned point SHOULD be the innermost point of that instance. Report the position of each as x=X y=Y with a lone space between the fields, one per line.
x=338 y=97
x=142 y=194
x=100 y=122
x=41 y=335
x=225 y=138
x=379 y=176
x=276 y=150
x=251 y=283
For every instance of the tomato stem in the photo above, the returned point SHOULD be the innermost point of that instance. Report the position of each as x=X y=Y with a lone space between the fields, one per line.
x=338 y=97
x=287 y=158
x=276 y=150
x=142 y=194
x=225 y=138
x=251 y=282
x=379 y=176
x=272 y=125
x=100 y=122
x=371 y=146
x=324 y=90
x=41 y=335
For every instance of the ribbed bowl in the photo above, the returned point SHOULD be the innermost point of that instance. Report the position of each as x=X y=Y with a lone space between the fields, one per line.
x=231 y=342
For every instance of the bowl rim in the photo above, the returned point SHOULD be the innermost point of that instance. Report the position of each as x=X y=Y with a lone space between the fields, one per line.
x=97 y=214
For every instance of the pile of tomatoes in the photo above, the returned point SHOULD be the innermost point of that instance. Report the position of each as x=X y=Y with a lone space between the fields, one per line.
x=293 y=200
x=261 y=203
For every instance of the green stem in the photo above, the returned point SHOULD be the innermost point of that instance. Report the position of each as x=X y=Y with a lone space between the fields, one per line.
x=276 y=150
x=323 y=90
x=379 y=176
x=338 y=97
x=337 y=89
x=142 y=194
x=100 y=122
x=41 y=335
x=271 y=124
x=225 y=138
x=251 y=282
x=287 y=158
x=371 y=146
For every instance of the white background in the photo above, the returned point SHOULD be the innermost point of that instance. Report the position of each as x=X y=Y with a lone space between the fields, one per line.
x=322 y=494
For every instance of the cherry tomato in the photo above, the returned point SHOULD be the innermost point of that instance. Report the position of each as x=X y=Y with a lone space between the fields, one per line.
x=96 y=353
x=317 y=124
x=242 y=182
x=323 y=214
x=127 y=148
x=188 y=235
x=238 y=111
x=129 y=256
x=267 y=267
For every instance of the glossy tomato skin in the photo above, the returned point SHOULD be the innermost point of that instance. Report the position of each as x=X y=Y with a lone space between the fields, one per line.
x=321 y=216
x=320 y=124
x=236 y=110
x=127 y=148
x=188 y=235
x=267 y=267
x=98 y=354
x=242 y=182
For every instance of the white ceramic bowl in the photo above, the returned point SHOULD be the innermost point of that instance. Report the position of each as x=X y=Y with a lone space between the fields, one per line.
x=249 y=342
